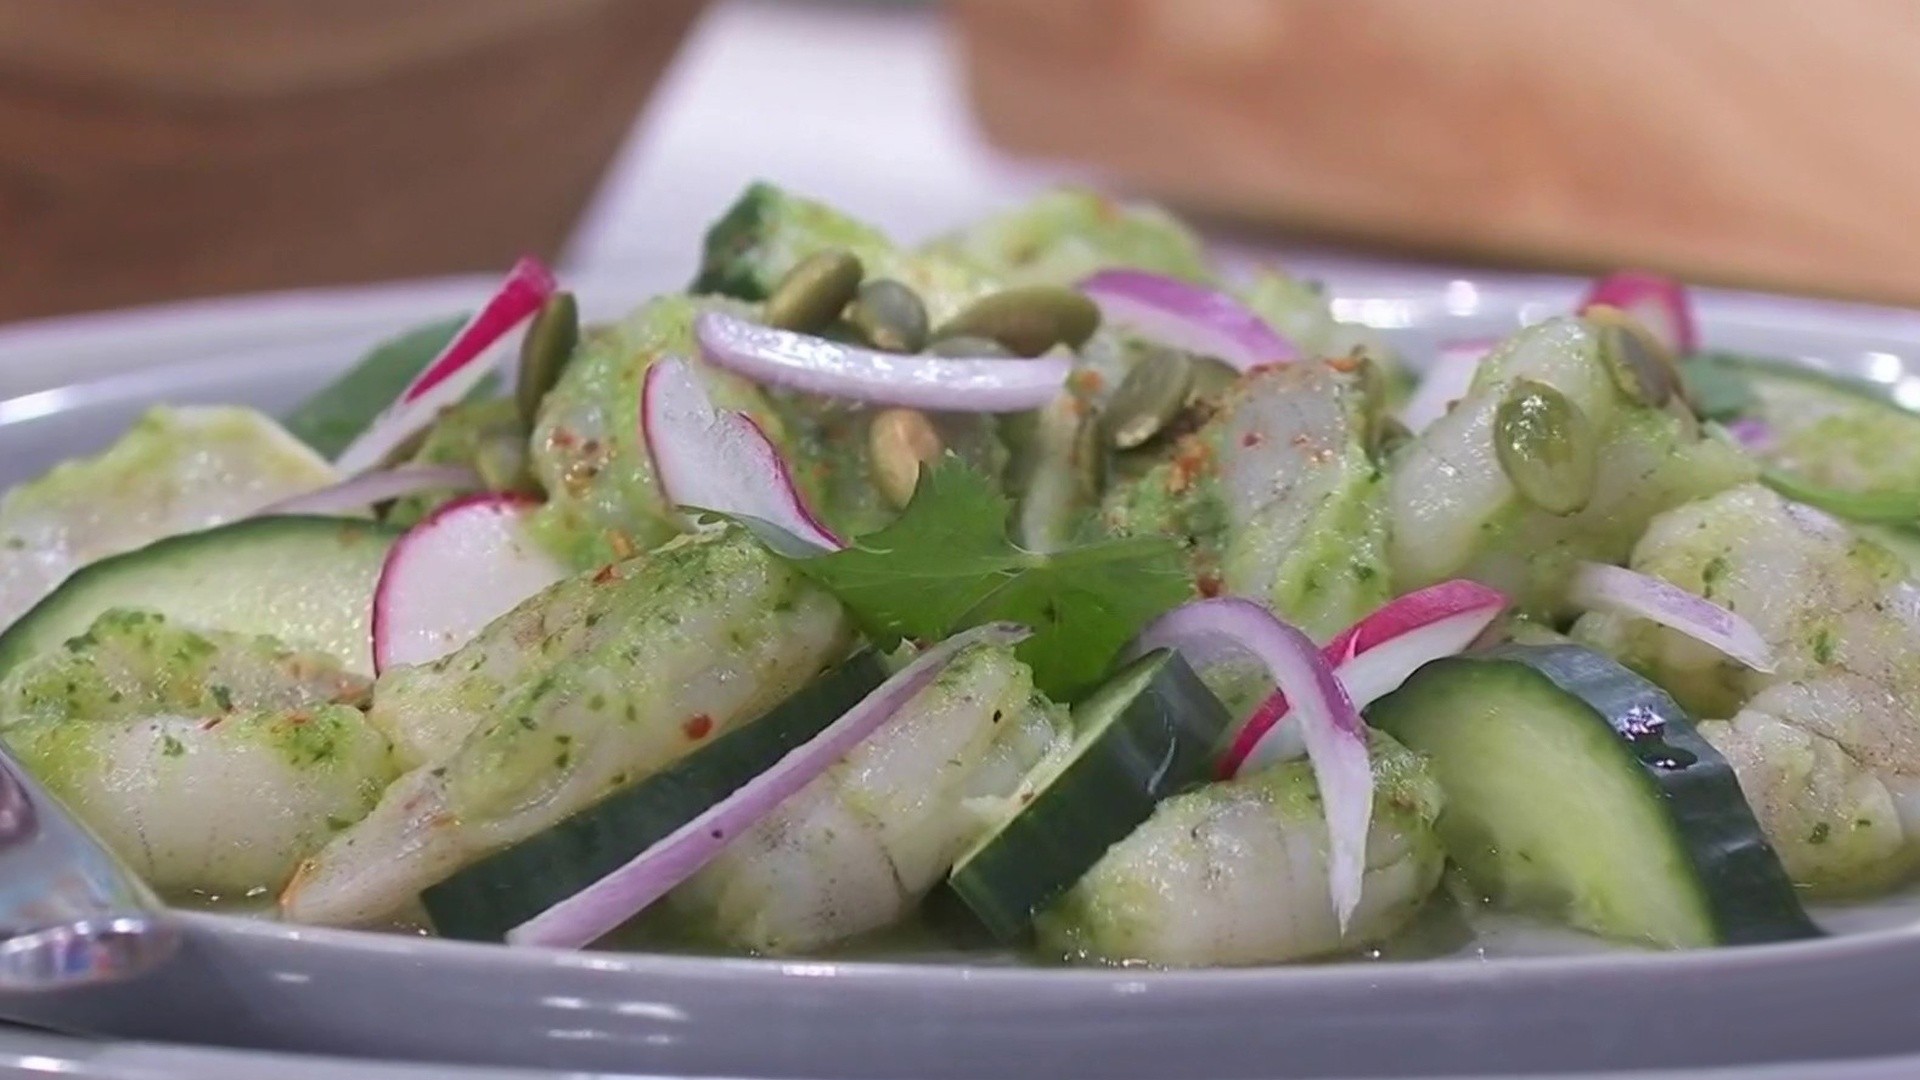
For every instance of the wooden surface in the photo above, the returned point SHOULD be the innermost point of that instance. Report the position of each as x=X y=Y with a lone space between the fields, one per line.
x=167 y=148
x=1767 y=142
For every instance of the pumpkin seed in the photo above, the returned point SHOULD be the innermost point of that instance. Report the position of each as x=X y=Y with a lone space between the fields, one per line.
x=967 y=345
x=1059 y=467
x=1641 y=367
x=812 y=294
x=889 y=316
x=899 y=443
x=1546 y=447
x=1029 y=319
x=1153 y=392
x=551 y=339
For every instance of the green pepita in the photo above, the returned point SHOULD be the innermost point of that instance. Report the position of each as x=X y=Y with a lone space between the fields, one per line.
x=889 y=316
x=967 y=345
x=1028 y=320
x=813 y=293
x=1389 y=434
x=899 y=443
x=1153 y=392
x=551 y=339
x=1641 y=367
x=1546 y=447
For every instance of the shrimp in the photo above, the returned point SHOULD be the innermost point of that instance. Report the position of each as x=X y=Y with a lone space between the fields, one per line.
x=661 y=654
x=211 y=762
x=1454 y=513
x=1278 y=495
x=1827 y=746
x=174 y=471
x=858 y=848
x=1236 y=873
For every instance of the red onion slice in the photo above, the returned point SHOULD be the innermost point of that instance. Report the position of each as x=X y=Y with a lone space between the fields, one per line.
x=1210 y=630
x=1614 y=588
x=1752 y=433
x=1445 y=382
x=360 y=492
x=1657 y=302
x=426 y=604
x=594 y=911
x=819 y=366
x=1372 y=658
x=707 y=458
x=477 y=349
x=1186 y=316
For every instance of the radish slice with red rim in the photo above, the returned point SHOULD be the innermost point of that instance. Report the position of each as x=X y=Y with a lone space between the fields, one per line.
x=1655 y=301
x=477 y=350
x=591 y=913
x=360 y=492
x=1372 y=658
x=1614 y=588
x=1445 y=382
x=833 y=369
x=708 y=458
x=1208 y=631
x=467 y=564
x=1189 y=317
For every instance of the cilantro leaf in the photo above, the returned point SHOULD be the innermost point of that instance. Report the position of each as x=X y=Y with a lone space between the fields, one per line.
x=946 y=564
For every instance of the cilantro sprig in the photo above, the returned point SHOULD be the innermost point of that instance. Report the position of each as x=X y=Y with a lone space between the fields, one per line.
x=946 y=564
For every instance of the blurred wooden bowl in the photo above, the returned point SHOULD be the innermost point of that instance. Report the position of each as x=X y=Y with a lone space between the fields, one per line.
x=168 y=148
x=1759 y=142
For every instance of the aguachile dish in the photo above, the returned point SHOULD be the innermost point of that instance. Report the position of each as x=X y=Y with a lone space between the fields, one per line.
x=1040 y=575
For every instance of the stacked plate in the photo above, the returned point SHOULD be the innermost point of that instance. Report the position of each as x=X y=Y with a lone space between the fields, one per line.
x=248 y=998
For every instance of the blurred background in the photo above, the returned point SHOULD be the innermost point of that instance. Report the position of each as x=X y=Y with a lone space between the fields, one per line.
x=162 y=149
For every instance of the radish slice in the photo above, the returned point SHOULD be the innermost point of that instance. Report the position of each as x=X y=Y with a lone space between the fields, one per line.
x=1445 y=382
x=1186 y=316
x=467 y=564
x=707 y=458
x=477 y=350
x=1207 y=631
x=594 y=911
x=1372 y=658
x=359 y=492
x=1657 y=302
x=819 y=366
x=1614 y=588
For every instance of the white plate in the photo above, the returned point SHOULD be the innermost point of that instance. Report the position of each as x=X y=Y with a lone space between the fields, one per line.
x=75 y=382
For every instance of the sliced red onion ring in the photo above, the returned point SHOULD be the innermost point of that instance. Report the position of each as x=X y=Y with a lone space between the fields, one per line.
x=359 y=492
x=709 y=458
x=1206 y=631
x=1189 y=317
x=594 y=911
x=819 y=366
x=477 y=349
x=1614 y=588
x=1445 y=382
x=1657 y=302
x=1372 y=658
x=426 y=606
x=1751 y=432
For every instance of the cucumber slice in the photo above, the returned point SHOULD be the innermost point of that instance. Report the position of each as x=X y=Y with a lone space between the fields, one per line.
x=1577 y=788
x=1144 y=735
x=305 y=580
x=498 y=893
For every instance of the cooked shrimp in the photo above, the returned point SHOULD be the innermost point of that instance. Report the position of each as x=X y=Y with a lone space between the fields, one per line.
x=668 y=651
x=211 y=762
x=1236 y=873
x=858 y=848
x=1827 y=747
